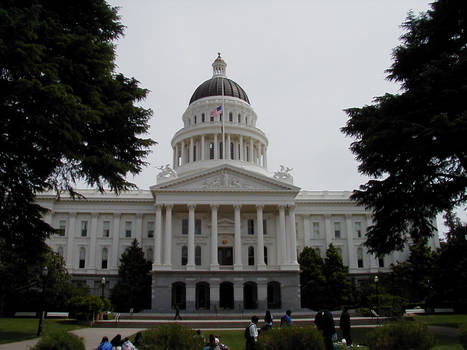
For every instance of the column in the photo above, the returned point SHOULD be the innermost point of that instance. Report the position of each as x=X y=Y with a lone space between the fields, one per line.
x=214 y=261
x=191 y=157
x=327 y=230
x=238 y=239
x=282 y=241
x=227 y=148
x=265 y=157
x=139 y=229
x=115 y=240
x=251 y=151
x=190 y=285
x=214 y=285
x=176 y=156
x=191 y=237
x=293 y=236
x=168 y=236
x=262 y=285
x=92 y=245
x=158 y=236
x=174 y=150
x=216 y=148
x=238 y=293
x=307 y=230
x=350 y=247
x=241 y=148
x=260 y=243
x=203 y=142
x=182 y=162
x=70 y=233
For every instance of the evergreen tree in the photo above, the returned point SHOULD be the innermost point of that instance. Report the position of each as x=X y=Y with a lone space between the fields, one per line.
x=412 y=145
x=338 y=289
x=133 y=288
x=312 y=280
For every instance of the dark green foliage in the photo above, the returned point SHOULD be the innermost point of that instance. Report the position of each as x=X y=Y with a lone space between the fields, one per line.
x=312 y=280
x=133 y=288
x=402 y=335
x=86 y=307
x=173 y=336
x=291 y=338
x=338 y=289
x=463 y=335
x=60 y=341
x=413 y=144
x=387 y=304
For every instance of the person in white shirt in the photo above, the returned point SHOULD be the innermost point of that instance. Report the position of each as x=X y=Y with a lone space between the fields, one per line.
x=251 y=334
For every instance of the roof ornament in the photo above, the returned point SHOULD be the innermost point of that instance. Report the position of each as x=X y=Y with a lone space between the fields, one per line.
x=166 y=173
x=218 y=67
x=284 y=174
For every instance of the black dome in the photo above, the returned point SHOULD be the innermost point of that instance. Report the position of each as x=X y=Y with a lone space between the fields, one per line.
x=213 y=87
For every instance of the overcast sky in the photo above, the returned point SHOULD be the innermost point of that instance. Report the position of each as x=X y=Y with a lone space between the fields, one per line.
x=300 y=62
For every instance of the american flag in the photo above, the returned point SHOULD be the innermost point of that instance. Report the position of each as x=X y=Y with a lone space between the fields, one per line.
x=217 y=111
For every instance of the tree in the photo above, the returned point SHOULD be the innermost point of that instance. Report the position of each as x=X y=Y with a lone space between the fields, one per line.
x=66 y=116
x=412 y=145
x=133 y=288
x=338 y=290
x=312 y=280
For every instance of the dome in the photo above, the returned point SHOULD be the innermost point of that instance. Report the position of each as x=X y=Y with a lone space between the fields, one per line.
x=213 y=87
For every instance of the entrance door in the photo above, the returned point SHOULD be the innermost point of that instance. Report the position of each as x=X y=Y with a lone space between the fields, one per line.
x=202 y=296
x=226 y=295
x=179 y=295
x=250 y=295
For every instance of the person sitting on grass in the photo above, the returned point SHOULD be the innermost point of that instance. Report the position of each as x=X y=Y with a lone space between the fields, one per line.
x=105 y=344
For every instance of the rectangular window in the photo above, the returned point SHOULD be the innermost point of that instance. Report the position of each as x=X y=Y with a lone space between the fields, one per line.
x=198 y=255
x=81 y=263
x=381 y=262
x=358 y=229
x=202 y=118
x=316 y=229
x=239 y=118
x=184 y=255
x=265 y=227
x=225 y=255
x=318 y=251
x=251 y=226
x=61 y=228
x=360 y=263
x=360 y=257
x=106 y=229
x=251 y=256
x=150 y=229
x=128 y=229
x=197 y=226
x=337 y=230
x=230 y=117
x=211 y=151
x=265 y=255
x=84 y=228
x=184 y=226
x=104 y=264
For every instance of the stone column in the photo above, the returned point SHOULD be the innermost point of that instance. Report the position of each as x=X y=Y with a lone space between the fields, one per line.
x=214 y=261
x=203 y=145
x=214 y=284
x=238 y=294
x=139 y=229
x=174 y=150
x=238 y=239
x=293 y=237
x=70 y=245
x=191 y=237
x=282 y=240
x=183 y=160
x=190 y=284
x=241 y=148
x=191 y=150
x=260 y=242
x=251 y=151
x=92 y=245
x=168 y=236
x=262 y=284
x=116 y=240
x=265 y=157
x=176 y=156
x=327 y=230
x=158 y=236
x=350 y=247
x=216 y=148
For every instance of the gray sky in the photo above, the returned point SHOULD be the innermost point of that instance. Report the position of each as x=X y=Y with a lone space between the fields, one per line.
x=301 y=62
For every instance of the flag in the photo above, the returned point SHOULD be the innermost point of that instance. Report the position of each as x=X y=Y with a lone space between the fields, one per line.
x=217 y=111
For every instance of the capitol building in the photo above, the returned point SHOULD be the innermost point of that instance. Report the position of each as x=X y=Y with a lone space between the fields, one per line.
x=221 y=230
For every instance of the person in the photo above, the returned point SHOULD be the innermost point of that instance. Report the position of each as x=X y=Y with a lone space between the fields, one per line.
x=127 y=345
x=286 y=320
x=325 y=324
x=251 y=334
x=139 y=339
x=213 y=343
x=267 y=321
x=104 y=345
x=344 y=324
x=177 y=313
x=116 y=342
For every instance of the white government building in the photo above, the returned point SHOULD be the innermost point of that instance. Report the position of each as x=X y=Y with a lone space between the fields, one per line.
x=222 y=232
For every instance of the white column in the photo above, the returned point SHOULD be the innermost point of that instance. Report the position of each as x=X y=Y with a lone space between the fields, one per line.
x=191 y=150
x=293 y=237
x=265 y=157
x=115 y=240
x=214 y=261
x=191 y=237
x=158 y=236
x=350 y=247
x=92 y=245
x=307 y=230
x=216 y=148
x=176 y=156
x=203 y=143
x=238 y=239
x=327 y=230
x=241 y=148
x=70 y=245
x=282 y=241
x=251 y=151
x=183 y=160
x=139 y=229
x=168 y=236
x=260 y=243
x=228 y=154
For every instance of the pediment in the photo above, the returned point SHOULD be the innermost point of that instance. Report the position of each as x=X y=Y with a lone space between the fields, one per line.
x=226 y=178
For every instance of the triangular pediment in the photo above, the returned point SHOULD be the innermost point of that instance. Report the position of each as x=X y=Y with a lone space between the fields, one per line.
x=225 y=178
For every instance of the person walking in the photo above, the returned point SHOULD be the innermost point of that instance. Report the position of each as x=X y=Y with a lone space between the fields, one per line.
x=286 y=320
x=177 y=313
x=325 y=324
x=267 y=321
x=251 y=334
x=104 y=344
x=344 y=324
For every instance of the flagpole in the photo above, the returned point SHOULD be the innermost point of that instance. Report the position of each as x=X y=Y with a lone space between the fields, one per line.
x=223 y=117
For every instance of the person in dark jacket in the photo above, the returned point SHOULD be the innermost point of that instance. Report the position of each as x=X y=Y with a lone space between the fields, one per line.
x=116 y=341
x=325 y=324
x=344 y=323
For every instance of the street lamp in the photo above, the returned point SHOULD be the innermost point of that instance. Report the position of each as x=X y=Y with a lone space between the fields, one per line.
x=377 y=297
x=103 y=286
x=45 y=272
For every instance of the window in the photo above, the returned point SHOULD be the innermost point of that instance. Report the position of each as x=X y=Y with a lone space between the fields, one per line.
x=225 y=255
x=246 y=120
x=60 y=251
x=381 y=262
x=339 y=251
x=184 y=255
x=184 y=226
x=203 y=119
x=84 y=228
x=211 y=150
x=358 y=229
x=316 y=229
x=106 y=229
x=232 y=151
x=230 y=117
x=220 y=117
x=105 y=258
x=318 y=251
x=360 y=257
x=221 y=154
x=239 y=118
x=128 y=229
x=251 y=256
x=212 y=119
x=337 y=230
x=61 y=228
x=247 y=154
x=197 y=255
x=149 y=255
x=265 y=227
x=194 y=153
x=82 y=258
x=150 y=229
x=197 y=226
x=266 y=255
x=195 y=119
x=251 y=226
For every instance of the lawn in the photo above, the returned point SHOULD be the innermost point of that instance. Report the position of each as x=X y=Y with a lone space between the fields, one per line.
x=453 y=320
x=18 y=329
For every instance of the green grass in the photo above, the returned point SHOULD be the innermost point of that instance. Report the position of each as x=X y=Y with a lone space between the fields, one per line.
x=19 y=329
x=453 y=320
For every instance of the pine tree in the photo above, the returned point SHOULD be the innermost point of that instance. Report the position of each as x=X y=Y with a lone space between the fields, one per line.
x=312 y=280
x=338 y=290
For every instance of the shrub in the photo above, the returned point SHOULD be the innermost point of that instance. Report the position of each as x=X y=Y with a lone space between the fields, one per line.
x=402 y=335
x=85 y=307
x=387 y=304
x=173 y=337
x=463 y=335
x=291 y=338
x=60 y=341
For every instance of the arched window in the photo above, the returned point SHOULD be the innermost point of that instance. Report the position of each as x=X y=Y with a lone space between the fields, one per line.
x=265 y=255
x=149 y=255
x=179 y=295
x=251 y=256
x=197 y=255
x=82 y=257
x=184 y=255
x=105 y=258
